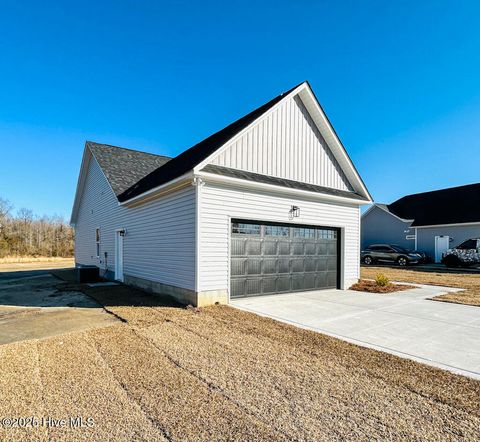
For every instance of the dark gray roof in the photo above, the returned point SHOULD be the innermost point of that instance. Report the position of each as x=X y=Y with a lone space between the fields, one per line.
x=454 y=205
x=124 y=167
x=188 y=159
x=265 y=179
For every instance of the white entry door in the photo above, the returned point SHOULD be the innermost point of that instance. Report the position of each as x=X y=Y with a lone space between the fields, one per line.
x=119 y=255
x=442 y=244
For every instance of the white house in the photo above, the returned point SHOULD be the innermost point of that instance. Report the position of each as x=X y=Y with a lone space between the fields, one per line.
x=269 y=204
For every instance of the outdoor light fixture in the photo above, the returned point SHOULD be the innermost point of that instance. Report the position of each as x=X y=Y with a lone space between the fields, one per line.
x=294 y=212
x=122 y=232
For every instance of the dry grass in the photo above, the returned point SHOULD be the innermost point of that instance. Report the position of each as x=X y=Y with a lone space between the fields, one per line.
x=468 y=281
x=28 y=259
x=217 y=373
x=372 y=287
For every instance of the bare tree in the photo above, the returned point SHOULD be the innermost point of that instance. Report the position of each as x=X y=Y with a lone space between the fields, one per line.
x=28 y=235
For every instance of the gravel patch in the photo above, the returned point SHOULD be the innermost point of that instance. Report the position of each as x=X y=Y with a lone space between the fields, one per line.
x=218 y=373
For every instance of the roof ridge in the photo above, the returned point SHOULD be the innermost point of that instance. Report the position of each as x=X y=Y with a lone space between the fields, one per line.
x=437 y=190
x=189 y=158
x=89 y=142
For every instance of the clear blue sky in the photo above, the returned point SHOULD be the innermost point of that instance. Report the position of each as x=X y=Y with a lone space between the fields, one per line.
x=399 y=80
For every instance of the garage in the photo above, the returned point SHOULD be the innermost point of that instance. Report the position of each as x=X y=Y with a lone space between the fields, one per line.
x=270 y=258
x=269 y=204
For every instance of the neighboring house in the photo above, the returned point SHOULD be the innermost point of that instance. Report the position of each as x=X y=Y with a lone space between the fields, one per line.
x=269 y=204
x=431 y=222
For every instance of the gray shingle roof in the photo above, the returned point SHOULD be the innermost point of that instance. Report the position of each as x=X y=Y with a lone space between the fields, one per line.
x=265 y=179
x=124 y=167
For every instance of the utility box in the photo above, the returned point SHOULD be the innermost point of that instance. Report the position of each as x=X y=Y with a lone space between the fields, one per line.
x=88 y=274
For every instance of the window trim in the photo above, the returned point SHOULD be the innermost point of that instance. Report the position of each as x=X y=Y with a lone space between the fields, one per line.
x=98 y=241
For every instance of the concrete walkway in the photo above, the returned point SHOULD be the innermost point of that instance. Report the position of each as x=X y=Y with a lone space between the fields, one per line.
x=406 y=324
x=32 y=308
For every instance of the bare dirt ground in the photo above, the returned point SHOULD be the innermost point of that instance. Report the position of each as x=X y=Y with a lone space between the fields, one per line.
x=165 y=372
x=365 y=285
x=468 y=281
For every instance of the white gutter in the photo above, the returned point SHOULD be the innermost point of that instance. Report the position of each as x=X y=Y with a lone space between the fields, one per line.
x=174 y=184
x=279 y=189
x=449 y=225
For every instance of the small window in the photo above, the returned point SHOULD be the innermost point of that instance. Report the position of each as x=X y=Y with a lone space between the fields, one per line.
x=246 y=228
x=303 y=232
x=97 y=242
x=277 y=231
x=327 y=234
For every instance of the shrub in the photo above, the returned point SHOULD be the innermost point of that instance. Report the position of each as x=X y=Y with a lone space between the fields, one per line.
x=381 y=280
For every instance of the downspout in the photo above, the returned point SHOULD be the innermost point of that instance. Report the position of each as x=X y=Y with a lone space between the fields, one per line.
x=198 y=183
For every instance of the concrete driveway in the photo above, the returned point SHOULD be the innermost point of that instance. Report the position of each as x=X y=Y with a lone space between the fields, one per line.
x=31 y=307
x=406 y=324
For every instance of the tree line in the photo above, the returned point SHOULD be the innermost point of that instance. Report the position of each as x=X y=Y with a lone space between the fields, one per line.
x=25 y=234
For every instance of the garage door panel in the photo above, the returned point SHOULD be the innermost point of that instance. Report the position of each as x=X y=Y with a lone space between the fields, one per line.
x=271 y=258
x=283 y=248
x=269 y=285
x=253 y=286
x=297 y=265
x=254 y=266
x=269 y=247
x=298 y=248
x=269 y=266
x=321 y=247
x=321 y=262
x=310 y=264
x=321 y=280
x=283 y=284
x=238 y=266
x=332 y=248
x=283 y=265
x=237 y=287
x=332 y=263
x=332 y=279
x=298 y=282
x=253 y=247
x=310 y=248
x=238 y=246
x=309 y=281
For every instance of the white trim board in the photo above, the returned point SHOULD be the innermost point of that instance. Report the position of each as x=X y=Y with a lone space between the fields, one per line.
x=448 y=225
x=279 y=189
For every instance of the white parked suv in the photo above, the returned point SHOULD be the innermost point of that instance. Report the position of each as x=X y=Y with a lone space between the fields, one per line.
x=465 y=255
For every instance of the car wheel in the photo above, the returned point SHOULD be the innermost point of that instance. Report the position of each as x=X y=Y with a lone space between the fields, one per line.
x=452 y=261
x=368 y=260
x=402 y=261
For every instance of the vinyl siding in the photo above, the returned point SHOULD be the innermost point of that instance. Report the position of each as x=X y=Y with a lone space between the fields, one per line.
x=286 y=144
x=457 y=234
x=218 y=204
x=160 y=241
x=379 y=227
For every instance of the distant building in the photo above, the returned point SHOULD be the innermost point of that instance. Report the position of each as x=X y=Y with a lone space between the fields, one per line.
x=431 y=221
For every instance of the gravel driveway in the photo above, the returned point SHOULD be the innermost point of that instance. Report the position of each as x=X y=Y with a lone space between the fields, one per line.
x=170 y=373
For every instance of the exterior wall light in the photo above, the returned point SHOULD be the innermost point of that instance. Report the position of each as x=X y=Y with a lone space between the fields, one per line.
x=294 y=212
x=122 y=232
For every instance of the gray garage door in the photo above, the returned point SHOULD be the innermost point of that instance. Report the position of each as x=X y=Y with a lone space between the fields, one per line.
x=274 y=258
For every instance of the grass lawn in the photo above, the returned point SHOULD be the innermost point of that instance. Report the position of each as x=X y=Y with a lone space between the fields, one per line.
x=217 y=373
x=468 y=281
